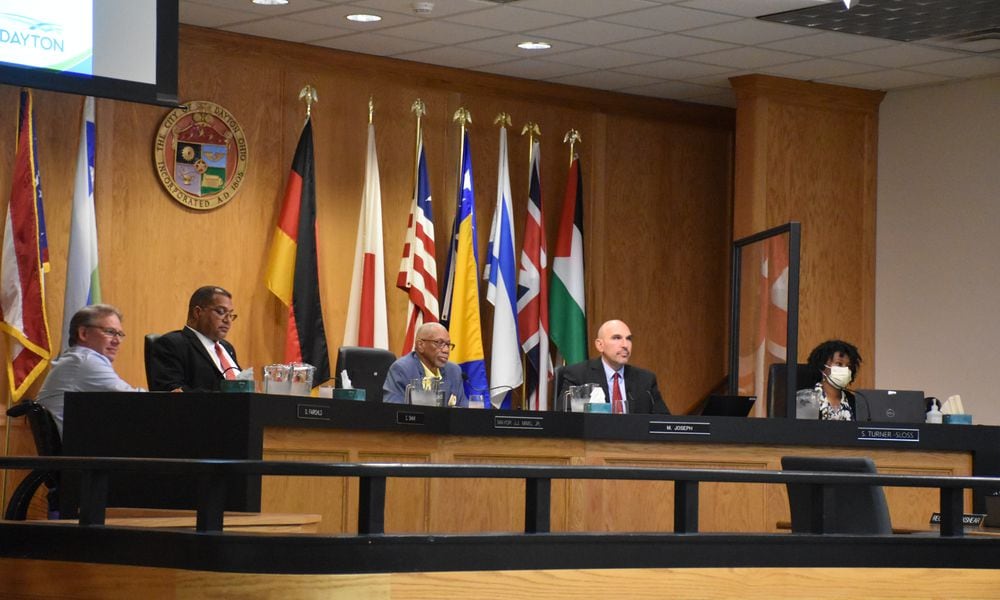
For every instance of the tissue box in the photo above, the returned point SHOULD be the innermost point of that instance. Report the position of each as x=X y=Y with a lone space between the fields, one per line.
x=236 y=385
x=348 y=394
x=964 y=419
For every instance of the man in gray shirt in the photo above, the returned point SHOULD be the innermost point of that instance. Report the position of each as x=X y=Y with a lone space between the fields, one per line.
x=95 y=333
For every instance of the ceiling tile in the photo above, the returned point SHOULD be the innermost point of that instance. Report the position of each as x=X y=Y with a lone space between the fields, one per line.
x=442 y=8
x=671 y=45
x=337 y=17
x=507 y=44
x=600 y=58
x=675 y=69
x=972 y=66
x=287 y=29
x=748 y=58
x=901 y=55
x=373 y=43
x=212 y=16
x=669 y=18
x=437 y=32
x=604 y=80
x=746 y=8
x=828 y=43
x=448 y=56
x=595 y=33
x=511 y=18
x=587 y=9
x=261 y=10
x=533 y=69
x=819 y=68
x=672 y=89
x=750 y=31
x=887 y=80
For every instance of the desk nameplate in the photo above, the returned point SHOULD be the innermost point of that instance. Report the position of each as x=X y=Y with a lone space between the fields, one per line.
x=680 y=428
x=405 y=417
x=313 y=412
x=888 y=434
x=512 y=422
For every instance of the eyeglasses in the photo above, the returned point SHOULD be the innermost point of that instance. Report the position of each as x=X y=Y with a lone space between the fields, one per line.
x=111 y=332
x=223 y=313
x=440 y=344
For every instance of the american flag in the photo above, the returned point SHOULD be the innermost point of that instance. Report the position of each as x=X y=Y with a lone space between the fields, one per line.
x=533 y=295
x=418 y=268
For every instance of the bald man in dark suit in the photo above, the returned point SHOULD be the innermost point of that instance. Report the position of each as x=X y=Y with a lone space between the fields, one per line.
x=637 y=388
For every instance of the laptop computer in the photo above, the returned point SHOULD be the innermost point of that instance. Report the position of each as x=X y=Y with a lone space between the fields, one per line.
x=890 y=406
x=719 y=405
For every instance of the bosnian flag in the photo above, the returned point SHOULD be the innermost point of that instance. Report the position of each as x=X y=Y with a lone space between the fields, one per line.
x=501 y=266
x=533 y=295
x=366 y=314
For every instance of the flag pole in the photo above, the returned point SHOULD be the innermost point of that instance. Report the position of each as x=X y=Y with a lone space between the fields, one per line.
x=420 y=109
x=309 y=96
x=572 y=137
x=464 y=117
x=530 y=129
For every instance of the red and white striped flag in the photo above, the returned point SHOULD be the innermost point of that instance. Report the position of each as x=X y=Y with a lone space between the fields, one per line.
x=22 y=284
x=533 y=295
x=418 y=268
x=366 y=313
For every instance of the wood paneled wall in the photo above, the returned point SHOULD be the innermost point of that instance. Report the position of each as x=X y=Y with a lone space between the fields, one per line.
x=808 y=152
x=657 y=186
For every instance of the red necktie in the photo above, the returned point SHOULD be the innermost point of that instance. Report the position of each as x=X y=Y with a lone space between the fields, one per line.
x=227 y=367
x=617 y=406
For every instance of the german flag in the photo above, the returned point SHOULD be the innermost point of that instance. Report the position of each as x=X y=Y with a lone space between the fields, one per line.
x=293 y=265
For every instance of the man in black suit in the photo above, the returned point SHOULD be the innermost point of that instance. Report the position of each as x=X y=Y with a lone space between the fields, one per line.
x=197 y=358
x=637 y=390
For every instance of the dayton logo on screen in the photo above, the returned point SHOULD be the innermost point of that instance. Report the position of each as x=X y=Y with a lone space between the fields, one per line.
x=54 y=34
x=201 y=155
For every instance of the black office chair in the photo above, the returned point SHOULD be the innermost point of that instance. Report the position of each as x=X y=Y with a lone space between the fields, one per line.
x=147 y=355
x=366 y=368
x=47 y=443
x=776 y=398
x=857 y=509
x=557 y=386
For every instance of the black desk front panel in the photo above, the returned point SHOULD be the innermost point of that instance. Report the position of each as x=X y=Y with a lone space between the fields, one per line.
x=170 y=425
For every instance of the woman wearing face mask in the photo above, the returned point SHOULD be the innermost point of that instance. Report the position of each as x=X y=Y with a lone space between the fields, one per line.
x=835 y=363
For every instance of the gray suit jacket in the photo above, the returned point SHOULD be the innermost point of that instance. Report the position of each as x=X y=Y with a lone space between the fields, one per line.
x=408 y=368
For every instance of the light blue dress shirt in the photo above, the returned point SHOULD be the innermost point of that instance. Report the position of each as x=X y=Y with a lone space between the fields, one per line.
x=79 y=369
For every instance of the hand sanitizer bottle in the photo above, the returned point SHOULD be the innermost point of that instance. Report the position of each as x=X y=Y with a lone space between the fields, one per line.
x=934 y=414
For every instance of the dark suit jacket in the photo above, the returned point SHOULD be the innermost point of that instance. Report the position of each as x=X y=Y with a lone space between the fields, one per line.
x=641 y=390
x=179 y=360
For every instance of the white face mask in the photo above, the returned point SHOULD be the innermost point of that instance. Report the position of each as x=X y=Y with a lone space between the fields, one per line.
x=840 y=377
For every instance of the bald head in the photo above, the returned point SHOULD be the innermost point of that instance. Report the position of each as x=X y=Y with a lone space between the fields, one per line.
x=433 y=345
x=614 y=342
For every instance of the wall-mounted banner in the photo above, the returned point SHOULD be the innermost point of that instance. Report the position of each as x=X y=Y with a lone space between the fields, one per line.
x=201 y=155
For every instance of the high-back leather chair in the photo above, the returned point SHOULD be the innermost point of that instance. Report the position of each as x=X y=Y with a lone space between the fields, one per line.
x=47 y=443
x=776 y=397
x=147 y=354
x=857 y=509
x=366 y=367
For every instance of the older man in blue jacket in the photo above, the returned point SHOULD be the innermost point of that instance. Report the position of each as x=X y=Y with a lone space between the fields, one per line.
x=429 y=358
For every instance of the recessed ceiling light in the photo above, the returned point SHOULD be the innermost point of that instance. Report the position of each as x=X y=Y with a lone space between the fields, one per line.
x=270 y=2
x=362 y=18
x=534 y=45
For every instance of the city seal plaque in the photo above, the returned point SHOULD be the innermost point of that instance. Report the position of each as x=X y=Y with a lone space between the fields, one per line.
x=201 y=155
